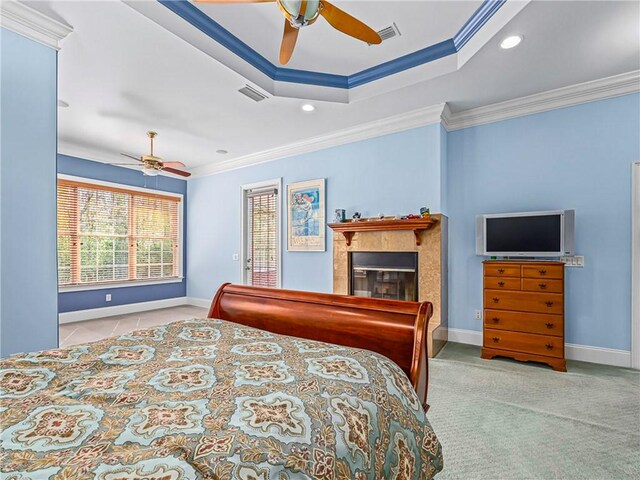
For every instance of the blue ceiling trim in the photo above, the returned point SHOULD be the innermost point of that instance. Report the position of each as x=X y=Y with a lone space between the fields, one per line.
x=196 y=17
x=405 y=62
x=311 y=78
x=477 y=20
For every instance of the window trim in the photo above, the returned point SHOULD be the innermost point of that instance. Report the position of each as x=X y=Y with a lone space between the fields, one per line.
x=129 y=283
x=274 y=182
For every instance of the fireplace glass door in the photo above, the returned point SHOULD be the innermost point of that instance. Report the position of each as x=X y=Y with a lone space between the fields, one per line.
x=391 y=275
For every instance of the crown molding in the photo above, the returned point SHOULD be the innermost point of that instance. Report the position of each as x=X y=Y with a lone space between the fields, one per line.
x=601 y=89
x=378 y=128
x=26 y=21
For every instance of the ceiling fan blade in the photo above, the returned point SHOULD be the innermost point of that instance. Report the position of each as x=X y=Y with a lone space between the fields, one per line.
x=173 y=164
x=344 y=22
x=131 y=156
x=177 y=172
x=289 y=38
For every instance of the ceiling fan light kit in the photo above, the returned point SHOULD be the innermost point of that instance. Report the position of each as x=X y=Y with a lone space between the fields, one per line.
x=302 y=13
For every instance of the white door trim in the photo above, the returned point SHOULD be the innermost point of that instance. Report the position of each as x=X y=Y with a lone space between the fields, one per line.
x=635 y=266
x=277 y=182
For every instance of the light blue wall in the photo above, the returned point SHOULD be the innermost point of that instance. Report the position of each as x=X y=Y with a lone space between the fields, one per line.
x=28 y=278
x=72 y=301
x=392 y=174
x=578 y=157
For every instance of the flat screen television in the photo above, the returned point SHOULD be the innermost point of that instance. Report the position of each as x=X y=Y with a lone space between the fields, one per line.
x=526 y=234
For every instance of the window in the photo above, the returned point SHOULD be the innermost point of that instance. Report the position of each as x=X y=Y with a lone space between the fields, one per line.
x=109 y=234
x=262 y=235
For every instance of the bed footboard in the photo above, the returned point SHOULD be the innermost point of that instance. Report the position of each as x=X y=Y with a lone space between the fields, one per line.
x=392 y=328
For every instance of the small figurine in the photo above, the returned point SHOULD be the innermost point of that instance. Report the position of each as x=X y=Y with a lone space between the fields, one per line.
x=424 y=212
x=411 y=216
x=356 y=216
x=381 y=216
x=339 y=215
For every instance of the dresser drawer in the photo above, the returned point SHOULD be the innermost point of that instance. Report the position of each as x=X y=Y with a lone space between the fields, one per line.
x=524 y=342
x=542 y=285
x=501 y=270
x=502 y=283
x=542 y=271
x=524 y=322
x=524 y=301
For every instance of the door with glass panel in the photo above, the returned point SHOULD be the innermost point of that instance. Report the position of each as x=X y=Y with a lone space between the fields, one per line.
x=261 y=238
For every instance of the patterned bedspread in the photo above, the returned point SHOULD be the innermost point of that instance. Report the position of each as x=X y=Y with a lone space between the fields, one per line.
x=209 y=399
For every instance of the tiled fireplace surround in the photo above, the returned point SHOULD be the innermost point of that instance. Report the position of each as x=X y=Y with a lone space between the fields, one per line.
x=432 y=268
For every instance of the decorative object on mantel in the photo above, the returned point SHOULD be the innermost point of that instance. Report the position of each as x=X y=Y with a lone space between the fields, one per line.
x=424 y=212
x=356 y=216
x=339 y=216
x=415 y=224
x=306 y=216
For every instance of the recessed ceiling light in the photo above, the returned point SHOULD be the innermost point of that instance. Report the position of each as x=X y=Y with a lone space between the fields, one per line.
x=307 y=107
x=511 y=41
x=63 y=104
x=222 y=152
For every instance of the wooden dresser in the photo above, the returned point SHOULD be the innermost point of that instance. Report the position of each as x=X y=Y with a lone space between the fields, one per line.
x=524 y=311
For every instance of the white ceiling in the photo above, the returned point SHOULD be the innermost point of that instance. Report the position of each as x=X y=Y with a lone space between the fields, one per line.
x=123 y=74
x=323 y=49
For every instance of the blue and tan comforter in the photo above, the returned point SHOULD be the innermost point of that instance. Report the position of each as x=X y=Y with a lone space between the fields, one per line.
x=209 y=399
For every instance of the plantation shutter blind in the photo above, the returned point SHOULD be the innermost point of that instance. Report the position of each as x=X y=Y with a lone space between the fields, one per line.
x=108 y=234
x=262 y=212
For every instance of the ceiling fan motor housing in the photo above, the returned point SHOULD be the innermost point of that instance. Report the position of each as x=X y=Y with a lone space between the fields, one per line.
x=291 y=10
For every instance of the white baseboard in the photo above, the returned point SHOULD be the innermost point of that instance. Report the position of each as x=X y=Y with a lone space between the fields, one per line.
x=470 y=337
x=582 y=353
x=199 y=302
x=605 y=356
x=89 y=314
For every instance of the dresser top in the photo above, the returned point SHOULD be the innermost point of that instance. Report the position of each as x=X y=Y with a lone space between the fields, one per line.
x=528 y=262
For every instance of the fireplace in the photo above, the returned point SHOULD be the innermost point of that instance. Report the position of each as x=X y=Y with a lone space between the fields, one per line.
x=391 y=275
x=427 y=247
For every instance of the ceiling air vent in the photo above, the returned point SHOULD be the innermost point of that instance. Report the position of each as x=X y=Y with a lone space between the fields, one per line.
x=252 y=93
x=389 y=32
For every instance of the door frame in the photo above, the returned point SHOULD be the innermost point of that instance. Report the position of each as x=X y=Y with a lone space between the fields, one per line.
x=635 y=266
x=276 y=182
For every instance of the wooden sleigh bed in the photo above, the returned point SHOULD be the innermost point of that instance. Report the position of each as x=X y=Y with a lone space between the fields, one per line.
x=273 y=384
x=391 y=328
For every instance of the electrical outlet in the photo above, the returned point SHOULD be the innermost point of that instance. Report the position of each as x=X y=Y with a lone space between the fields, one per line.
x=235 y=257
x=478 y=314
x=576 y=261
x=107 y=297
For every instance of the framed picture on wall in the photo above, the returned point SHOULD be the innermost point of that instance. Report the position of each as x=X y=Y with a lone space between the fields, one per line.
x=306 y=216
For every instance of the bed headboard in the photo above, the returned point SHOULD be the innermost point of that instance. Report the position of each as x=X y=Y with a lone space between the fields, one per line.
x=392 y=328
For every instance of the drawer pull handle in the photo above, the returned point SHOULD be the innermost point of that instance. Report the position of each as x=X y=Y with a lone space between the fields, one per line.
x=542 y=272
x=496 y=299
x=549 y=346
x=501 y=284
x=549 y=325
x=496 y=339
x=501 y=270
x=495 y=319
x=548 y=303
x=543 y=286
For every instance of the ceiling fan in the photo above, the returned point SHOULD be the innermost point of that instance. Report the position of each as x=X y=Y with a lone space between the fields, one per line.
x=301 y=13
x=152 y=165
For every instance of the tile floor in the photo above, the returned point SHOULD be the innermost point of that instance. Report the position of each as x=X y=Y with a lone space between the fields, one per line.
x=99 y=328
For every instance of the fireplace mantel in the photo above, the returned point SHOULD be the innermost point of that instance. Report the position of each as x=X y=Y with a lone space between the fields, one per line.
x=416 y=225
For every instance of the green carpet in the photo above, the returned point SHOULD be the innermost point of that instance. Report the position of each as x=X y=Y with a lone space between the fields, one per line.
x=502 y=419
